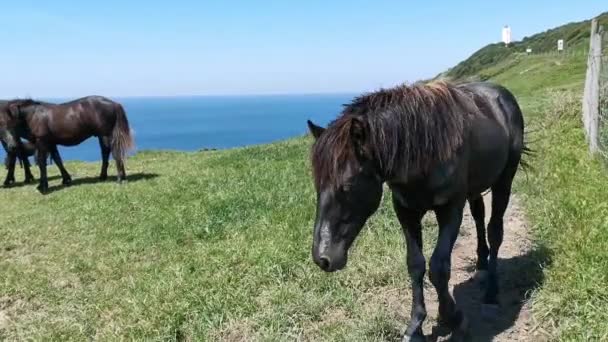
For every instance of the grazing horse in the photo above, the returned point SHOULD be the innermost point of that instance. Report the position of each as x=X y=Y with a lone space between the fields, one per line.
x=22 y=152
x=15 y=149
x=69 y=124
x=436 y=145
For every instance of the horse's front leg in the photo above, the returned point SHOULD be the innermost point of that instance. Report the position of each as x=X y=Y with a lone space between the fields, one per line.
x=416 y=265
x=449 y=217
x=41 y=155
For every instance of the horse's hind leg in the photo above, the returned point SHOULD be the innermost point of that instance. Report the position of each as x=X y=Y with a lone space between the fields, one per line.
x=449 y=218
x=412 y=229
x=120 y=167
x=478 y=212
x=106 y=148
x=11 y=160
x=29 y=177
x=67 y=180
x=501 y=192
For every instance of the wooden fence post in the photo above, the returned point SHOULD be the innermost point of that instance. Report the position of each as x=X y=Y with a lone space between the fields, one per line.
x=592 y=88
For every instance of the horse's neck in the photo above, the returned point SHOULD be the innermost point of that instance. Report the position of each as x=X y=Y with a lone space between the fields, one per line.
x=27 y=115
x=402 y=175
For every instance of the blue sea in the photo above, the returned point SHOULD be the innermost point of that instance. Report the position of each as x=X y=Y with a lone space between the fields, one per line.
x=220 y=122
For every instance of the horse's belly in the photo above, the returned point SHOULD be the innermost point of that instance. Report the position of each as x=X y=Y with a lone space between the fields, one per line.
x=69 y=131
x=69 y=140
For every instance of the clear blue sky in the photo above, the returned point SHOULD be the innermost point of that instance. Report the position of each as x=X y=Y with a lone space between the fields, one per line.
x=66 y=48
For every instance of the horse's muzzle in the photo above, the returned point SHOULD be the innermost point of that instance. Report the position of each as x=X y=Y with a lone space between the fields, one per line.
x=331 y=259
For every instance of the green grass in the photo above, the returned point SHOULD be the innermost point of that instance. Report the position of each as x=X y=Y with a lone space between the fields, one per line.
x=209 y=245
x=566 y=202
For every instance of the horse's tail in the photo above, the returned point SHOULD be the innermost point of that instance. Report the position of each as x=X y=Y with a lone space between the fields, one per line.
x=526 y=153
x=122 y=141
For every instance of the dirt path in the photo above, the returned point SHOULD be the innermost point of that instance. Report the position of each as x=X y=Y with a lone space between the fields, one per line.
x=519 y=273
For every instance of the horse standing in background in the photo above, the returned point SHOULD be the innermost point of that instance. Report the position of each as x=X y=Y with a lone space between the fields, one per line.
x=22 y=152
x=436 y=146
x=69 y=124
x=15 y=149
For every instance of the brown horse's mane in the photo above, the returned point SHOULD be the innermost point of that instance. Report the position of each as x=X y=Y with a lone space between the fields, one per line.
x=406 y=128
x=24 y=102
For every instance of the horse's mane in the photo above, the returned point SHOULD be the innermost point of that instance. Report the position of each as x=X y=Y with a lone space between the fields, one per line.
x=407 y=128
x=24 y=102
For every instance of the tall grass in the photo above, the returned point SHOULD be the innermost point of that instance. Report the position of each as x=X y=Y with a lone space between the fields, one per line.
x=566 y=201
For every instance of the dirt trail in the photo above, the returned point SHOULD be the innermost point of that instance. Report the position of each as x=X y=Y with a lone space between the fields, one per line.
x=519 y=273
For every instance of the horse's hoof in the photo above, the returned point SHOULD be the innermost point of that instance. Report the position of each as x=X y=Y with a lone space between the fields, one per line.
x=42 y=189
x=29 y=180
x=67 y=182
x=490 y=311
x=8 y=184
x=103 y=178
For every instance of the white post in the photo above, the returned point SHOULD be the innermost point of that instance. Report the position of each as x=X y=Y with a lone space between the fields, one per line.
x=506 y=35
x=592 y=88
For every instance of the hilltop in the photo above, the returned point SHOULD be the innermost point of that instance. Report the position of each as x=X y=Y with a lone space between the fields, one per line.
x=575 y=36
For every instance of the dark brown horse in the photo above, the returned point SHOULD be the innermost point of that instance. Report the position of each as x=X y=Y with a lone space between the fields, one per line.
x=436 y=146
x=69 y=124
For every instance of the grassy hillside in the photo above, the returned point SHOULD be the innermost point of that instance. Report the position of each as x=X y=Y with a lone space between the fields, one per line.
x=209 y=245
x=575 y=36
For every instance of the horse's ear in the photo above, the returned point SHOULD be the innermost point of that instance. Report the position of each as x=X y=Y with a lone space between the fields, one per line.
x=315 y=130
x=359 y=135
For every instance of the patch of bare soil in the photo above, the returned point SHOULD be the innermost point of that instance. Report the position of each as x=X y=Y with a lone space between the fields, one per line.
x=8 y=309
x=519 y=272
x=237 y=331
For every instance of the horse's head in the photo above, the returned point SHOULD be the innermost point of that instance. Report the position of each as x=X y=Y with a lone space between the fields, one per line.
x=349 y=188
x=9 y=120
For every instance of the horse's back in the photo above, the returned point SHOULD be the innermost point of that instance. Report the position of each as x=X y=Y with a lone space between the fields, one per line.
x=502 y=101
x=70 y=123
x=496 y=134
x=93 y=99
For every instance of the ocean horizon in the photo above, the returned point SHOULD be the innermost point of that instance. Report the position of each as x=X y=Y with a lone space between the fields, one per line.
x=192 y=123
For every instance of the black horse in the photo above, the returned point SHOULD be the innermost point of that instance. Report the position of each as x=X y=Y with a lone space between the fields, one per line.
x=69 y=124
x=15 y=149
x=22 y=152
x=436 y=145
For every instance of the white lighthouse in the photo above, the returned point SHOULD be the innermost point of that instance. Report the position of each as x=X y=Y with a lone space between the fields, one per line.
x=506 y=35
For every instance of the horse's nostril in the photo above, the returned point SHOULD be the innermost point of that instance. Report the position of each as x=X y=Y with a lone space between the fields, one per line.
x=324 y=263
